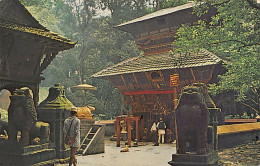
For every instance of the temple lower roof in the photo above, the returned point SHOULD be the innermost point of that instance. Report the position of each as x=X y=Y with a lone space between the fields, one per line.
x=163 y=61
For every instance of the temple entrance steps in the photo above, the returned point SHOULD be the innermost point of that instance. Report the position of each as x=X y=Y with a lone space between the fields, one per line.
x=93 y=143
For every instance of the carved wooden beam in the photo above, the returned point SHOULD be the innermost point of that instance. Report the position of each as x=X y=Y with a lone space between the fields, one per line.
x=37 y=67
x=135 y=78
x=123 y=79
x=47 y=60
x=212 y=71
x=193 y=75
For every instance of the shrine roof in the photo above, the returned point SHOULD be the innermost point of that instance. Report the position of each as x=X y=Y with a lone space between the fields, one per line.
x=159 y=13
x=14 y=16
x=164 y=61
x=36 y=31
x=15 y=11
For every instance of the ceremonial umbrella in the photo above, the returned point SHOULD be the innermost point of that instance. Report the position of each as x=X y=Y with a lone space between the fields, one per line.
x=85 y=87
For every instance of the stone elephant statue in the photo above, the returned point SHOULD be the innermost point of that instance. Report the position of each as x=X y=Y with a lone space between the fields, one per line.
x=192 y=119
x=22 y=117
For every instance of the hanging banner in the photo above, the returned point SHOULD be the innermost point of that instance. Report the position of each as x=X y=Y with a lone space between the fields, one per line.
x=174 y=80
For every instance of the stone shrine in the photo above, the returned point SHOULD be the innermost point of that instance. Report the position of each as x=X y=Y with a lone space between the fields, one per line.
x=54 y=110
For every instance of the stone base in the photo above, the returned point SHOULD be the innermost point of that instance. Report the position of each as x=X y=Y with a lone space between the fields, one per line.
x=210 y=159
x=123 y=136
x=17 y=155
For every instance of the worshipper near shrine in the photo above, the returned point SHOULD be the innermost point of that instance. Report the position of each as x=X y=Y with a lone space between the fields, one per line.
x=72 y=133
x=154 y=133
x=161 y=126
x=169 y=136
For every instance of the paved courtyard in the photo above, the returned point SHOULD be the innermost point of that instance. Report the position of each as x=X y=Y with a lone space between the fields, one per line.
x=146 y=155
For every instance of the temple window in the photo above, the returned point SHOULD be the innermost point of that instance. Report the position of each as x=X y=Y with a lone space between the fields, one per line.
x=156 y=76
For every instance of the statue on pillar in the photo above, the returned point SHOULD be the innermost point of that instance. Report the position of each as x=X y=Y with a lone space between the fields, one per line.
x=195 y=127
x=22 y=117
x=192 y=119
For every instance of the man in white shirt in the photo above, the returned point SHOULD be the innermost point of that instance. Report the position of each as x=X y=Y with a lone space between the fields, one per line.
x=72 y=132
x=154 y=133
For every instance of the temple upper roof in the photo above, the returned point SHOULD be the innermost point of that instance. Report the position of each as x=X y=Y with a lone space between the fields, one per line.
x=169 y=18
x=163 y=61
x=159 y=13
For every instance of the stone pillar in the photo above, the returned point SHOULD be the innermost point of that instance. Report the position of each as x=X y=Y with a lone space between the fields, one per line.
x=54 y=110
x=213 y=116
x=118 y=131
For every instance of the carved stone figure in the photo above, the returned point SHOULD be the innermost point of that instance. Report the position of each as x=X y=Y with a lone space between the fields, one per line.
x=22 y=117
x=192 y=118
x=3 y=126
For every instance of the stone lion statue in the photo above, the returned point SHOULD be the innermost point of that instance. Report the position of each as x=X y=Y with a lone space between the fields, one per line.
x=22 y=117
x=192 y=118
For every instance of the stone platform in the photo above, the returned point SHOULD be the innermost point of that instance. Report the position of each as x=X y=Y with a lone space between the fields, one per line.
x=17 y=155
x=210 y=159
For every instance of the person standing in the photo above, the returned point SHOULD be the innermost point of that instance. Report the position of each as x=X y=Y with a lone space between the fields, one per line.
x=161 y=130
x=154 y=133
x=72 y=133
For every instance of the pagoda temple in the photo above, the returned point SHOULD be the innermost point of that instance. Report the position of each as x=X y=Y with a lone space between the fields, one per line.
x=26 y=48
x=151 y=83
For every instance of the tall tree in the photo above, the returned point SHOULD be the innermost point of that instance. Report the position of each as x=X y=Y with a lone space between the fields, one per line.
x=99 y=46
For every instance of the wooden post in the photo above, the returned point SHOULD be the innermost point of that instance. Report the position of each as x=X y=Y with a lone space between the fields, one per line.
x=136 y=129
x=128 y=120
x=175 y=98
x=118 y=130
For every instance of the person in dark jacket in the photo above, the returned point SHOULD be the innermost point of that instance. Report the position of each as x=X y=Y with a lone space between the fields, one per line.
x=161 y=130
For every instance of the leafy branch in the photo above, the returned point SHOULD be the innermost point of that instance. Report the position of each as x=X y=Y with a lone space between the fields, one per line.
x=247 y=105
x=243 y=43
x=251 y=3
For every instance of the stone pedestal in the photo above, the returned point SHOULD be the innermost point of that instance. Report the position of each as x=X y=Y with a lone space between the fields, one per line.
x=210 y=159
x=17 y=155
x=85 y=125
x=123 y=136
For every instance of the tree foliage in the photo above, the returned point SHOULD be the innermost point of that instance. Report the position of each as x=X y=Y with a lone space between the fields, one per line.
x=234 y=35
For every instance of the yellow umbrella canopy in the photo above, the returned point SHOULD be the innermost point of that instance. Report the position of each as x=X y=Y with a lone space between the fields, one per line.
x=85 y=87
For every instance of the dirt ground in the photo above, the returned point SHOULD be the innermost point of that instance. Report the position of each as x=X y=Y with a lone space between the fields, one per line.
x=242 y=155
